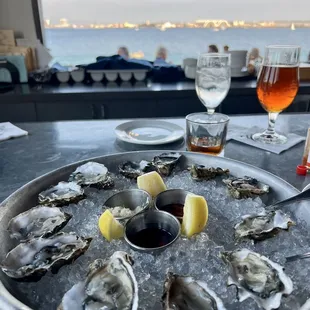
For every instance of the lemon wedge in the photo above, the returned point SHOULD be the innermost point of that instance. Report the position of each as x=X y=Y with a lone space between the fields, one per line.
x=110 y=227
x=151 y=182
x=195 y=216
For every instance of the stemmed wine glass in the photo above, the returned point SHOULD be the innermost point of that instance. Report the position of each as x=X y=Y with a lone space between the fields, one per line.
x=277 y=86
x=212 y=79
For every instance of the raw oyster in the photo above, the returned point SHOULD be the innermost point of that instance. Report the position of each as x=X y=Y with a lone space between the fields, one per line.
x=40 y=221
x=262 y=226
x=61 y=194
x=163 y=164
x=257 y=277
x=184 y=293
x=38 y=255
x=200 y=172
x=245 y=187
x=132 y=170
x=92 y=174
x=109 y=284
x=166 y=162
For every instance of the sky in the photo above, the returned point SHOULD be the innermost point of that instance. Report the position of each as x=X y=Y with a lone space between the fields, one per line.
x=137 y=11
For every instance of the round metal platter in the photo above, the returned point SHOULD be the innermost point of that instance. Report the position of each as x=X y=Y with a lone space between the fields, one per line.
x=26 y=197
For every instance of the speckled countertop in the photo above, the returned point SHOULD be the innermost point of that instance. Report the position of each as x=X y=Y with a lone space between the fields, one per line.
x=55 y=144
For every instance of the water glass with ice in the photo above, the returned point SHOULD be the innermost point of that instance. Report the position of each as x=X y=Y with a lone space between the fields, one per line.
x=213 y=77
x=206 y=133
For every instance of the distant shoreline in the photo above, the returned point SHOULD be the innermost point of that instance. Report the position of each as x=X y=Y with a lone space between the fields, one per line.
x=109 y=28
x=198 y=24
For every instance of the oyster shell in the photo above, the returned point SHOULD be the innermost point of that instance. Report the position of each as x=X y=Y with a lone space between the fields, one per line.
x=200 y=172
x=245 y=187
x=92 y=174
x=132 y=170
x=257 y=277
x=40 y=221
x=262 y=226
x=166 y=162
x=109 y=284
x=61 y=194
x=163 y=164
x=35 y=257
x=185 y=293
x=306 y=306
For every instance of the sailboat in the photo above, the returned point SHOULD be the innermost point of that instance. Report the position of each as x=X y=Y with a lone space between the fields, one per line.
x=292 y=26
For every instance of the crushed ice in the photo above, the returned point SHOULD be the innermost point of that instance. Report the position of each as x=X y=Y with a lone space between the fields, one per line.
x=198 y=257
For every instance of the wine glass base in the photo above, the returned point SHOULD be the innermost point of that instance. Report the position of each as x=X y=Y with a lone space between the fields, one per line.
x=266 y=137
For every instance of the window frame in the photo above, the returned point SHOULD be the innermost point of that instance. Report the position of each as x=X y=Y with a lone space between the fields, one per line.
x=38 y=19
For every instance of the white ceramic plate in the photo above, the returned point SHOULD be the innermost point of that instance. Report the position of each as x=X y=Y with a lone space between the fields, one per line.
x=149 y=132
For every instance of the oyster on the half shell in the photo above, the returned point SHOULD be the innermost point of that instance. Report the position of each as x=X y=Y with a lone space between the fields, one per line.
x=40 y=221
x=257 y=277
x=109 y=284
x=262 y=226
x=35 y=257
x=166 y=162
x=61 y=194
x=132 y=170
x=245 y=187
x=185 y=293
x=163 y=164
x=200 y=172
x=92 y=174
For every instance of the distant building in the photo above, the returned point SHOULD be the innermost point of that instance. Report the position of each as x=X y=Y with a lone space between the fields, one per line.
x=63 y=23
x=167 y=25
x=47 y=23
x=128 y=25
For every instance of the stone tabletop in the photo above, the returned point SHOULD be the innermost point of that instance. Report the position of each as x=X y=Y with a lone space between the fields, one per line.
x=54 y=144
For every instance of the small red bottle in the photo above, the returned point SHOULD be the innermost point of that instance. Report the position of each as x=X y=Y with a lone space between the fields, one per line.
x=305 y=166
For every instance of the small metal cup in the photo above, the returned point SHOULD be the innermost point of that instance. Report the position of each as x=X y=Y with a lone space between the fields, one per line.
x=152 y=219
x=129 y=198
x=170 y=196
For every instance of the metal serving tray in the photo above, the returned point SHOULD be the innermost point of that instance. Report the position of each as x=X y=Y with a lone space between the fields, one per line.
x=26 y=197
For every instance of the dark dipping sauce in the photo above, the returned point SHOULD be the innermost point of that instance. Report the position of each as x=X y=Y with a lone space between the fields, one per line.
x=152 y=237
x=175 y=209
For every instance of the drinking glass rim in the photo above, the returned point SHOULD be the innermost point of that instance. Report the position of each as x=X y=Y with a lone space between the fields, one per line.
x=210 y=123
x=283 y=46
x=227 y=55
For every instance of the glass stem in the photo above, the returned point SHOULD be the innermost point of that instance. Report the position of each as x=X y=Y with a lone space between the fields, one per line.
x=210 y=111
x=272 y=117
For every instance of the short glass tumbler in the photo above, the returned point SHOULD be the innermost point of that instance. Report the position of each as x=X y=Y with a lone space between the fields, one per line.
x=206 y=133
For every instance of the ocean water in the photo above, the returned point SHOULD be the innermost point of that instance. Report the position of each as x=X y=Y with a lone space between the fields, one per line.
x=80 y=46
